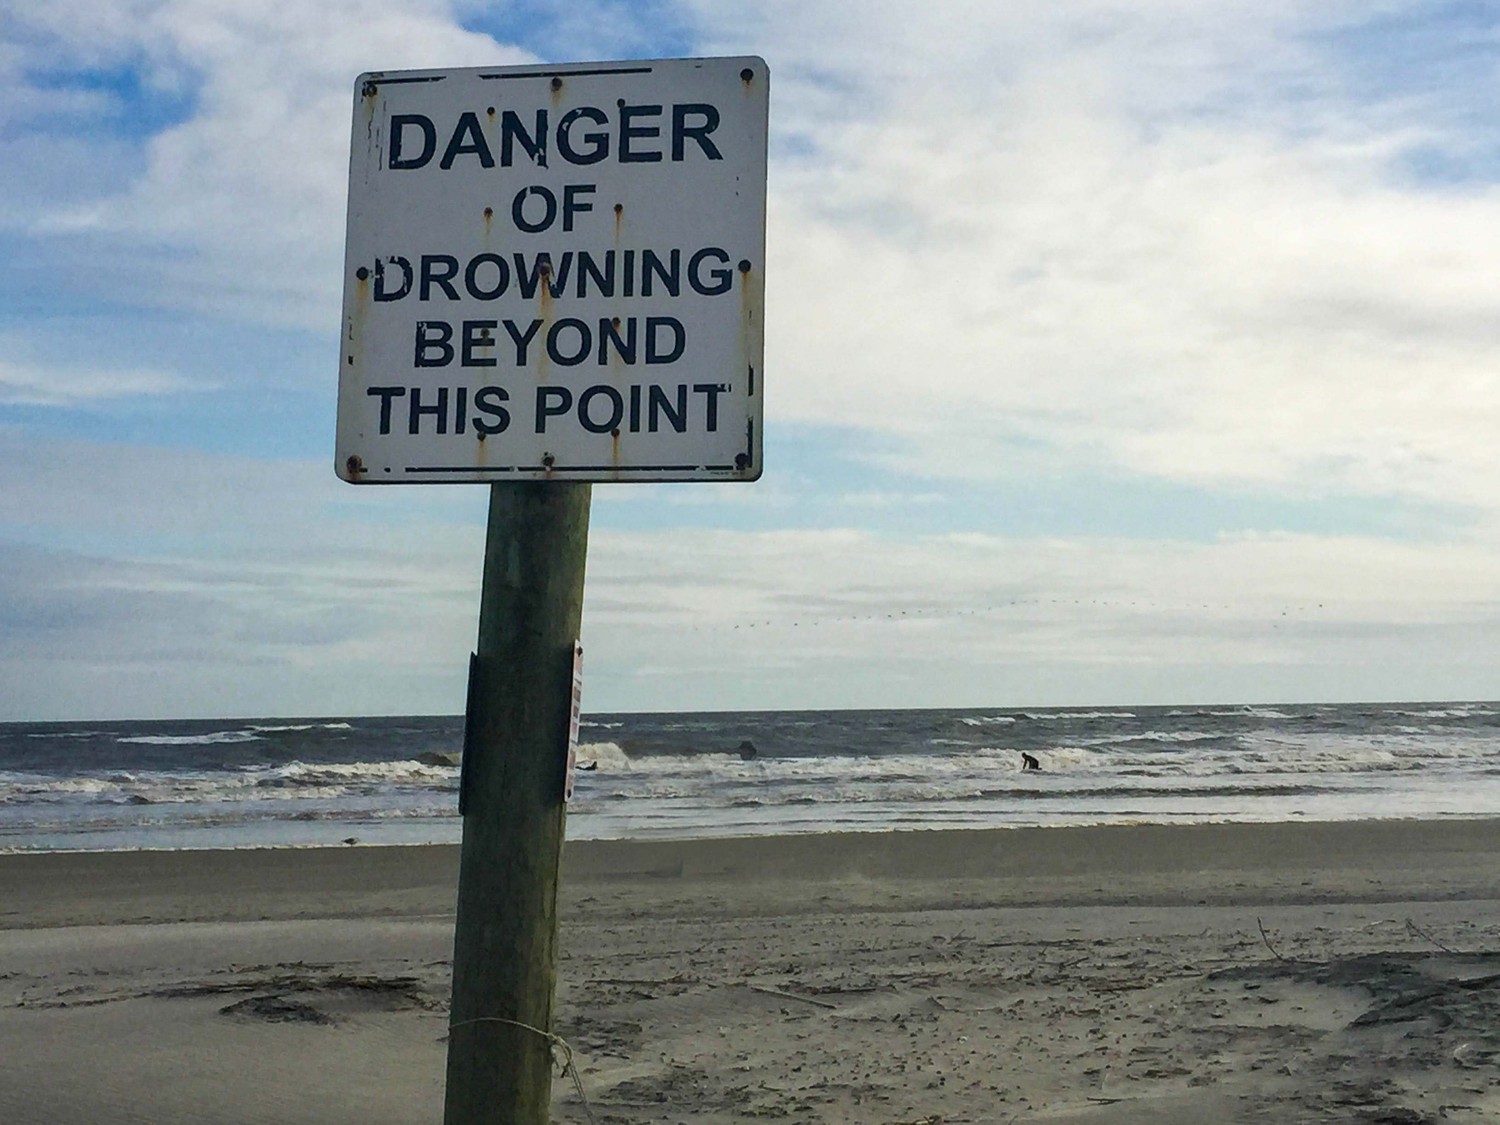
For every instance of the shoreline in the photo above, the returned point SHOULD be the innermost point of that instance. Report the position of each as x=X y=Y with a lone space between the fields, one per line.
x=1323 y=972
x=1190 y=864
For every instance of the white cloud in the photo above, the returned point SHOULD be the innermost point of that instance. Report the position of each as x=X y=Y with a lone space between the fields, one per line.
x=846 y=618
x=184 y=583
x=33 y=384
x=250 y=189
x=1161 y=237
x=1167 y=238
x=1120 y=263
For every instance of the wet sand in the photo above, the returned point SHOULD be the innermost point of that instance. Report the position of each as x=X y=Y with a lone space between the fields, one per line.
x=1289 y=973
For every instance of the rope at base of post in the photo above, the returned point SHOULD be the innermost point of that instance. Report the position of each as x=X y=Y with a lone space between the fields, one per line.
x=569 y=1067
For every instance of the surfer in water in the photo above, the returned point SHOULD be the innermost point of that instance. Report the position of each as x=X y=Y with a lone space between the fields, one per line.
x=1029 y=762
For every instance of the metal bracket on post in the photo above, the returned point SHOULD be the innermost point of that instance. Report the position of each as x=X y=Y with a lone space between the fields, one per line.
x=464 y=772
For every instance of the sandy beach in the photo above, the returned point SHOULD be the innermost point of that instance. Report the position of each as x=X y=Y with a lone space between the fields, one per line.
x=1281 y=972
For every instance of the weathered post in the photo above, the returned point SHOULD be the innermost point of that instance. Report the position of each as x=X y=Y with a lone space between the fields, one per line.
x=554 y=274
x=504 y=946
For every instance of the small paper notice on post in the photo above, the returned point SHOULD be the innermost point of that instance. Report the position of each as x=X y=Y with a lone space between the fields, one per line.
x=575 y=719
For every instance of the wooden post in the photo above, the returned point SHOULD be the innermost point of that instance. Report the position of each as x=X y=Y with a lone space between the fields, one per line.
x=505 y=938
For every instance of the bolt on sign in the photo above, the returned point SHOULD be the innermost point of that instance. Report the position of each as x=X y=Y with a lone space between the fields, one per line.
x=556 y=272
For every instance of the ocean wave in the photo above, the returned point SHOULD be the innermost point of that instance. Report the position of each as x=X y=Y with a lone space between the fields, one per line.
x=1162 y=736
x=211 y=739
x=62 y=787
x=608 y=756
x=838 y=770
x=255 y=783
x=927 y=796
x=293 y=727
x=297 y=775
x=1465 y=711
x=1069 y=716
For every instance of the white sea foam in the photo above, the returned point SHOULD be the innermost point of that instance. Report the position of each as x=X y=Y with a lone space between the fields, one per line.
x=1097 y=766
x=1466 y=711
x=1250 y=712
x=1064 y=716
x=211 y=739
x=1168 y=736
x=292 y=727
x=607 y=755
x=325 y=774
x=255 y=783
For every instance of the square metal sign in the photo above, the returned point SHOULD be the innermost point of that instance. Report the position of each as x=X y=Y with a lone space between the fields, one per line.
x=555 y=272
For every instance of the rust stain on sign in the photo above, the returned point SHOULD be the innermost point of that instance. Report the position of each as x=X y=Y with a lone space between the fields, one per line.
x=620 y=306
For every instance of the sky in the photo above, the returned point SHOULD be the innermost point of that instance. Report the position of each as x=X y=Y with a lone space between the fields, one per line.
x=1116 y=353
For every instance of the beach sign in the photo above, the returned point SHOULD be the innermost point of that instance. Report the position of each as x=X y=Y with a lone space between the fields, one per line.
x=555 y=273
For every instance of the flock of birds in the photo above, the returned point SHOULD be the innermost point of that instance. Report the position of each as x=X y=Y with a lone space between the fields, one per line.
x=1297 y=613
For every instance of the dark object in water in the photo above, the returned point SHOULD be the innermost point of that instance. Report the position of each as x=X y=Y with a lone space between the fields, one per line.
x=587 y=767
x=1029 y=762
x=438 y=758
x=747 y=750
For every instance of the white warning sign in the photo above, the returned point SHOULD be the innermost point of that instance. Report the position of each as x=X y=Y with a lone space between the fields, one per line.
x=556 y=272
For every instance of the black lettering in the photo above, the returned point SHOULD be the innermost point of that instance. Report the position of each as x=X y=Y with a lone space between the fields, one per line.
x=572 y=205
x=654 y=354
x=477 y=334
x=585 y=342
x=528 y=280
x=657 y=406
x=616 y=409
x=522 y=341
x=587 y=267
x=468 y=140
x=598 y=142
x=609 y=333
x=541 y=267
x=460 y=409
x=438 y=410
x=518 y=209
x=381 y=292
x=550 y=402
x=433 y=335
x=629 y=132
x=535 y=143
x=432 y=264
x=670 y=274
x=486 y=402
x=711 y=391
x=471 y=277
x=722 y=278
x=399 y=122
x=681 y=130
x=385 y=394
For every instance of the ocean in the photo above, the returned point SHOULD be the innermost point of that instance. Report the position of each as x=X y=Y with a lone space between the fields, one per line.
x=281 y=782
